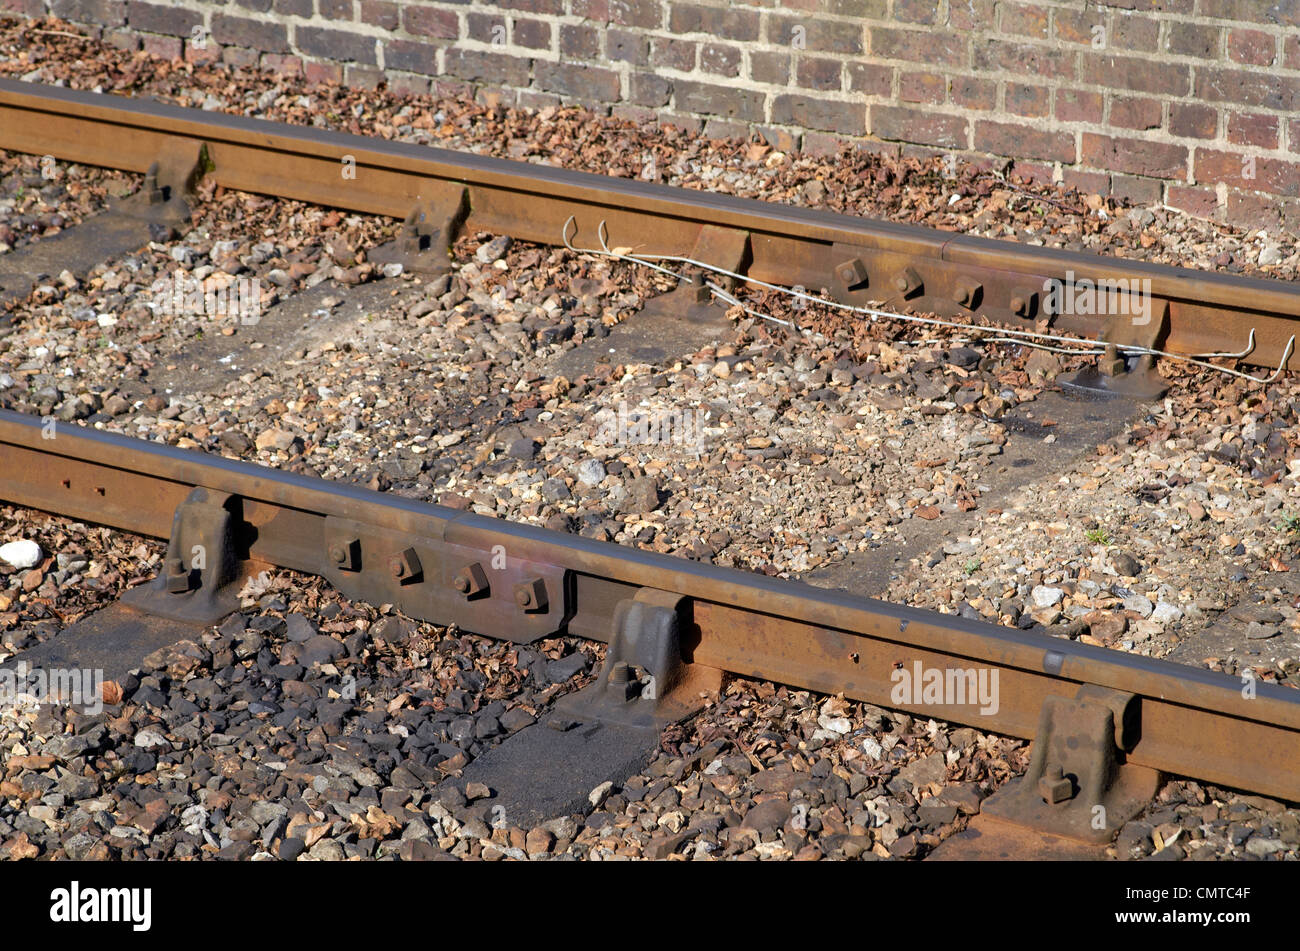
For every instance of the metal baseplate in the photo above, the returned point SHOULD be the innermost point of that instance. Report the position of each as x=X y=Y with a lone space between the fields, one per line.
x=644 y=681
x=423 y=244
x=166 y=199
x=1132 y=375
x=1078 y=785
x=202 y=572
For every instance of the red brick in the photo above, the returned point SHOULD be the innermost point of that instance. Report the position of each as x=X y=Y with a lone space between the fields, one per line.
x=411 y=56
x=363 y=77
x=1089 y=183
x=335 y=10
x=1134 y=156
x=872 y=79
x=428 y=21
x=1193 y=121
x=933 y=48
x=553 y=7
x=1021 y=19
x=531 y=34
x=285 y=65
x=536 y=101
x=592 y=10
x=642 y=13
x=769 y=67
x=408 y=85
x=708 y=99
x=487 y=29
x=869 y=9
x=381 y=13
x=825 y=36
x=1271 y=175
x=647 y=89
x=1293 y=135
x=1194 y=39
x=723 y=22
x=157 y=18
x=478 y=67
x=1032 y=172
x=98 y=12
x=1135 y=75
x=335 y=44
x=322 y=72
x=971 y=92
x=1253 y=128
x=1076 y=26
x=626 y=46
x=1138 y=190
x=1246 y=210
x=1133 y=33
x=1252 y=47
x=811 y=73
x=580 y=41
x=1135 y=113
x=1201 y=202
x=164 y=47
x=240 y=58
x=922 y=87
x=1078 y=105
x=921 y=126
x=673 y=54
x=1022 y=141
x=1266 y=90
x=819 y=112
x=1025 y=58
x=209 y=52
x=1022 y=99
x=1291 y=52
x=971 y=14
x=577 y=82
x=820 y=144
x=916 y=11
x=725 y=129
x=254 y=34
x=725 y=61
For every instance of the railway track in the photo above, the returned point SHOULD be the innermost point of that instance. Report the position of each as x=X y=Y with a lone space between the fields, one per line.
x=1105 y=724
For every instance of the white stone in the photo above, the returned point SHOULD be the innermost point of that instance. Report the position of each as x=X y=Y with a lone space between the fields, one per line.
x=1166 y=613
x=1140 y=604
x=1045 y=597
x=21 y=554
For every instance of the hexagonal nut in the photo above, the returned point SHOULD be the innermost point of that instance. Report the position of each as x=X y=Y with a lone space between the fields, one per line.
x=531 y=595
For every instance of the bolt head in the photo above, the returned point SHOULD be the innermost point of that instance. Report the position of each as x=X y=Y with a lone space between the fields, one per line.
x=338 y=554
x=1018 y=305
x=900 y=282
x=523 y=597
x=396 y=566
x=461 y=583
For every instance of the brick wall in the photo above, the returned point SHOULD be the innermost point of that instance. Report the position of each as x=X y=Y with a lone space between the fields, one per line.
x=1195 y=103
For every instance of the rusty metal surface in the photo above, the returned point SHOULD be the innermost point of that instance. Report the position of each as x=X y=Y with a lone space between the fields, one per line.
x=1193 y=722
x=856 y=259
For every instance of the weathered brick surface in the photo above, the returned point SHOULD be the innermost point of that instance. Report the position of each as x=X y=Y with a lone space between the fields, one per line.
x=1149 y=99
x=254 y=34
x=1023 y=141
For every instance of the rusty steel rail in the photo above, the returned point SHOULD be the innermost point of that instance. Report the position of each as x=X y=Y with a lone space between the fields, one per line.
x=387 y=549
x=857 y=260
